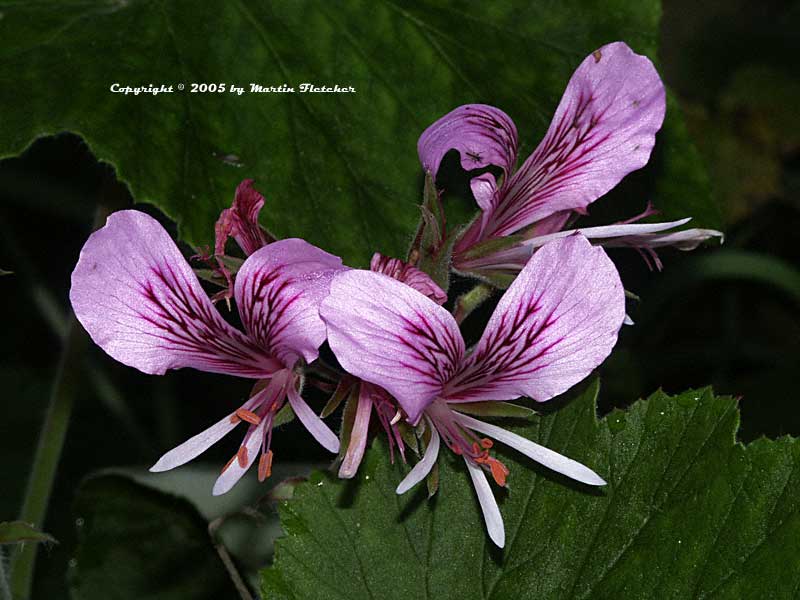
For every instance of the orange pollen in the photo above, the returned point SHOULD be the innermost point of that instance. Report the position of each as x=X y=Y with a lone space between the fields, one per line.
x=487 y=443
x=228 y=464
x=248 y=415
x=235 y=420
x=456 y=450
x=499 y=471
x=265 y=466
x=476 y=449
x=241 y=455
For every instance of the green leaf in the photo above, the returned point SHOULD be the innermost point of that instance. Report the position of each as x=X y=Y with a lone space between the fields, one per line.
x=135 y=542
x=17 y=532
x=687 y=513
x=338 y=169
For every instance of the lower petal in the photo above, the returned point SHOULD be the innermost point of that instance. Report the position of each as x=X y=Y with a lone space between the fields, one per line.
x=234 y=472
x=423 y=467
x=491 y=512
x=358 y=435
x=544 y=456
x=316 y=427
x=195 y=446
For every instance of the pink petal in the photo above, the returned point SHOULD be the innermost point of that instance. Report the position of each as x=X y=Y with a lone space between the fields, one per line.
x=411 y=276
x=387 y=333
x=544 y=456
x=555 y=324
x=234 y=472
x=140 y=301
x=358 y=435
x=278 y=291
x=603 y=129
x=423 y=467
x=491 y=512
x=312 y=422
x=484 y=136
x=240 y=221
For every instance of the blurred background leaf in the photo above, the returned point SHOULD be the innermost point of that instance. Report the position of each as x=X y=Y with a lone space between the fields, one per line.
x=338 y=169
x=134 y=542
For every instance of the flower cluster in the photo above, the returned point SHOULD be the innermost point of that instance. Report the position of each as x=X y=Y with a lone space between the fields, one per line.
x=401 y=350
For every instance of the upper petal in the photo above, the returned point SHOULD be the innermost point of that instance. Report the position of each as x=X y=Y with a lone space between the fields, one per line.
x=278 y=291
x=604 y=128
x=389 y=334
x=484 y=135
x=140 y=301
x=241 y=221
x=555 y=324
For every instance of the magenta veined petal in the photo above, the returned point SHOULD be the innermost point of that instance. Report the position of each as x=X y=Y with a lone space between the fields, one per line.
x=555 y=324
x=489 y=508
x=278 y=291
x=315 y=426
x=544 y=456
x=139 y=300
x=423 y=467
x=389 y=334
x=483 y=135
x=604 y=128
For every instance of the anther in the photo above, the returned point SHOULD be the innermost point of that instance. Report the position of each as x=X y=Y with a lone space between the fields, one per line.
x=499 y=471
x=487 y=443
x=241 y=455
x=235 y=420
x=248 y=415
x=265 y=466
x=397 y=416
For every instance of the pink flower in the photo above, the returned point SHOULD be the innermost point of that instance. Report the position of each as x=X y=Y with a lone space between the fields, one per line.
x=555 y=324
x=604 y=128
x=141 y=302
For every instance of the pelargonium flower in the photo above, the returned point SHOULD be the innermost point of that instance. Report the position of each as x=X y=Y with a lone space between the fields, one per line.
x=555 y=324
x=372 y=396
x=141 y=302
x=604 y=128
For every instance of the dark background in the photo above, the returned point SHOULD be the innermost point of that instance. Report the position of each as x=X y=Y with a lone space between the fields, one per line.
x=725 y=317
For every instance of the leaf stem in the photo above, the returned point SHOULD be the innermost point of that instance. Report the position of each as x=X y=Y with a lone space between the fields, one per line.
x=48 y=452
x=51 y=444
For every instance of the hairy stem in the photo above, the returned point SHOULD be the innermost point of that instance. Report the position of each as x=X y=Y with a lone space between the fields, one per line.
x=470 y=301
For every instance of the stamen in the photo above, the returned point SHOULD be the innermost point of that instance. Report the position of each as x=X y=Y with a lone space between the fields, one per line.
x=265 y=466
x=487 y=443
x=241 y=455
x=248 y=415
x=398 y=415
x=235 y=420
x=499 y=471
x=228 y=464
